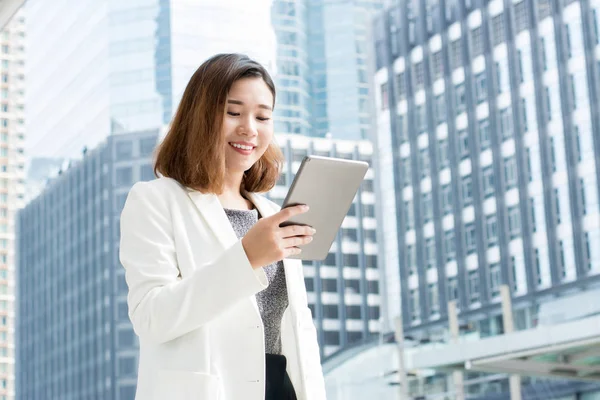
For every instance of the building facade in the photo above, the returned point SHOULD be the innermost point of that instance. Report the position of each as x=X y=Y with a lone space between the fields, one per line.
x=12 y=174
x=322 y=71
x=343 y=290
x=123 y=66
x=489 y=157
x=75 y=340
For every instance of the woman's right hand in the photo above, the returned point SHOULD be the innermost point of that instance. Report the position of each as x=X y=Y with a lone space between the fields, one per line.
x=266 y=242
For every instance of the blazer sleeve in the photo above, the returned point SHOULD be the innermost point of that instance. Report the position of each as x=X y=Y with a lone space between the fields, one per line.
x=162 y=306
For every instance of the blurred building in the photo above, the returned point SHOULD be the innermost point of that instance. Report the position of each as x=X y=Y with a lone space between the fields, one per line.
x=322 y=74
x=489 y=158
x=343 y=290
x=107 y=67
x=75 y=337
x=12 y=164
x=75 y=340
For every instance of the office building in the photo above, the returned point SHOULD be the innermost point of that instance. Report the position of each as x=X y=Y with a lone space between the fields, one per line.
x=75 y=337
x=489 y=158
x=75 y=340
x=322 y=74
x=12 y=166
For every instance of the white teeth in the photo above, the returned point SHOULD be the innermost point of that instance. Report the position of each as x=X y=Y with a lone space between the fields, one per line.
x=241 y=146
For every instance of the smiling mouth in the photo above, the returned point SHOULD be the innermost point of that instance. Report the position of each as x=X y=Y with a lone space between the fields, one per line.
x=241 y=146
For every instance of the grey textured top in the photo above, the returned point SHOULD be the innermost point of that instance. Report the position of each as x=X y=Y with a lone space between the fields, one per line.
x=273 y=300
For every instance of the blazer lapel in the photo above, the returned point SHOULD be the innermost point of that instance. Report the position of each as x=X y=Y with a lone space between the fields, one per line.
x=213 y=213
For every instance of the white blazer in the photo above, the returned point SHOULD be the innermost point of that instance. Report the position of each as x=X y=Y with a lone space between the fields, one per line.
x=192 y=301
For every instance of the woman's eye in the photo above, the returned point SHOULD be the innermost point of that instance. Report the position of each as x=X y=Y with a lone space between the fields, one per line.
x=263 y=118
x=233 y=114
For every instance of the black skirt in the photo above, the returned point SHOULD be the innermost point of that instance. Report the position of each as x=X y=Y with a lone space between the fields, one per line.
x=278 y=383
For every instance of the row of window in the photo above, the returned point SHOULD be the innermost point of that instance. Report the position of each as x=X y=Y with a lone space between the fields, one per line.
x=351 y=260
x=330 y=285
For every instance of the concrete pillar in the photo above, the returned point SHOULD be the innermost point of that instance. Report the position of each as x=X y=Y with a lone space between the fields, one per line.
x=402 y=380
x=509 y=327
x=458 y=376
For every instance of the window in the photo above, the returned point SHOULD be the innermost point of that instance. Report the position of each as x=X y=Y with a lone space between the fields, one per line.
x=474 y=286
x=384 y=96
x=544 y=56
x=480 y=87
x=351 y=260
x=126 y=366
x=430 y=253
x=568 y=40
x=552 y=154
x=452 y=289
x=124 y=176
x=476 y=42
x=488 y=181
x=420 y=117
x=544 y=8
x=573 y=91
x=470 y=238
x=529 y=170
x=495 y=279
x=484 y=134
x=577 y=143
x=467 y=190
x=588 y=252
x=411 y=259
x=461 y=102
x=463 y=143
x=532 y=213
x=434 y=303
x=427 y=207
x=557 y=204
x=332 y=338
x=400 y=86
x=124 y=150
x=146 y=172
x=406 y=172
x=438 y=65
x=582 y=191
x=449 y=246
x=521 y=17
x=443 y=153
x=414 y=304
x=401 y=129
x=524 y=116
x=520 y=64
x=446 y=199
x=440 y=108
x=561 y=253
x=419 y=75
x=350 y=234
x=456 y=54
x=491 y=224
x=514 y=222
x=147 y=146
x=538 y=269
x=498 y=29
x=510 y=172
x=408 y=215
x=548 y=104
x=424 y=162
x=506 y=123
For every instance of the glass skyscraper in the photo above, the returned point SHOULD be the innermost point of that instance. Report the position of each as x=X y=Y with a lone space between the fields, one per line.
x=489 y=157
x=108 y=67
x=322 y=67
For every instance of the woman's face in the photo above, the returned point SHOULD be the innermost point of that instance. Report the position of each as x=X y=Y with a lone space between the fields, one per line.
x=247 y=123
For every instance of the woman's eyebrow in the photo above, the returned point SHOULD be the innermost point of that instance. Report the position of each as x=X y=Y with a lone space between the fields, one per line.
x=241 y=103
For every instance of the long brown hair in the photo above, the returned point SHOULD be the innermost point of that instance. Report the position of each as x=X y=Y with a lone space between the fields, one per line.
x=192 y=152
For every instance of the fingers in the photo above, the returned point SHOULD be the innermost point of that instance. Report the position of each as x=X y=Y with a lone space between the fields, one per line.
x=296 y=241
x=297 y=230
x=292 y=251
x=288 y=213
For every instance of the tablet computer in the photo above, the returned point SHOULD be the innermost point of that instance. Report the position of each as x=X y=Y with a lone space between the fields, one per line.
x=328 y=186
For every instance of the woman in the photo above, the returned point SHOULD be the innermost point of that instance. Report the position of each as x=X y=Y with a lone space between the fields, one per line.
x=219 y=315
